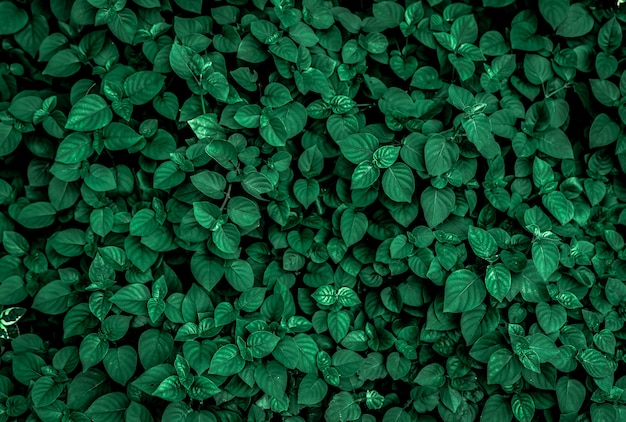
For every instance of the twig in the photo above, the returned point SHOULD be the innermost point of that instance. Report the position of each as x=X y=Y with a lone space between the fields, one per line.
x=227 y=197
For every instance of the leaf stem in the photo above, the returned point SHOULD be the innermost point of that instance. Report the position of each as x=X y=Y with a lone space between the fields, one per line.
x=227 y=197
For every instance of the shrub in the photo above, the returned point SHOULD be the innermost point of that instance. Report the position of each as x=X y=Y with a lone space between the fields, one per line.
x=316 y=210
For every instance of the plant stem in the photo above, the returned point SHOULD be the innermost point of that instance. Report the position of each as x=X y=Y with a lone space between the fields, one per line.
x=226 y=198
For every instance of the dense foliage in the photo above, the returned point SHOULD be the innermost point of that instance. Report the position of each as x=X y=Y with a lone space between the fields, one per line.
x=301 y=211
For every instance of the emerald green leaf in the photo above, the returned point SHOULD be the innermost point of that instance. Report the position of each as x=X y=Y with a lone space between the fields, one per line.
x=306 y=191
x=325 y=295
x=45 y=391
x=497 y=407
x=121 y=363
x=503 y=368
x=132 y=299
x=118 y=136
x=559 y=206
x=570 y=394
x=610 y=36
x=342 y=408
x=595 y=363
x=108 y=407
x=243 y=212
x=226 y=361
x=353 y=226
x=262 y=343
x=577 y=22
x=227 y=238
x=338 y=324
x=89 y=113
x=399 y=182
x=437 y=205
x=100 y=178
x=464 y=291
x=170 y=389
x=364 y=175
x=545 y=257
x=92 y=350
x=603 y=131
x=358 y=147
x=13 y=18
x=311 y=162
x=142 y=87
x=523 y=407
x=37 y=215
x=440 y=155
x=554 y=11
x=272 y=378
x=482 y=242
x=498 y=281
x=311 y=390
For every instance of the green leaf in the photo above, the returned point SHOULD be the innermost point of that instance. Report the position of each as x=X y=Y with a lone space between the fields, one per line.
x=312 y=390
x=89 y=113
x=577 y=22
x=523 y=407
x=92 y=350
x=342 y=408
x=227 y=238
x=271 y=378
x=353 y=226
x=243 y=212
x=559 y=206
x=437 y=205
x=364 y=175
x=325 y=295
x=202 y=388
x=239 y=274
x=143 y=86
x=132 y=299
x=545 y=257
x=306 y=191
x=311 y=162
x=118 y=137
x=100 y=178
x=358 y=147
x=570 y=394
x=550 y=317
x=37 y=215
x=498 y=281
x=170 y=389
x=338 y=324
x=610 y=36
x=554 y=11
x=595 y=363
x=603 y=131
x=399 y=182
x=53 y=298
x=121 y=363
x=226 y=361
x=262 y=343
x=482 y=242
x=464 y=291
x=109 y=407
x=45 y=391
x=503 y=368
x=440 y=155
x=12 y=18
x=347 y=297
x=537 y=69
x=497 y=408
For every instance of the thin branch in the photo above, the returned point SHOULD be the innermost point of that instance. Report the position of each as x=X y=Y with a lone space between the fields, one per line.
x=227 y=197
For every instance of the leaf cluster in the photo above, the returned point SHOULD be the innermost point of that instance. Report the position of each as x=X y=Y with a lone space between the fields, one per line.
x=312 y=210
